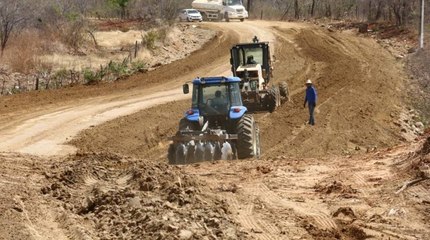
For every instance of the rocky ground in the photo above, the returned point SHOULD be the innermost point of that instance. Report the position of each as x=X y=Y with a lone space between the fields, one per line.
x=361 y=173
x=420 y=77
x=111 y=197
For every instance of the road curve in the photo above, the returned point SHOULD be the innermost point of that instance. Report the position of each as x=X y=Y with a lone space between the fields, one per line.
x=48 y=133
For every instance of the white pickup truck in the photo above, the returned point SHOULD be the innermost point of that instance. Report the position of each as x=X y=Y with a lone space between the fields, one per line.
x=221 y=9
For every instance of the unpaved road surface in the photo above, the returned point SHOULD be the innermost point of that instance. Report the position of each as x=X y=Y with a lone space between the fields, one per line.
x=336 y=180
x=46 y=134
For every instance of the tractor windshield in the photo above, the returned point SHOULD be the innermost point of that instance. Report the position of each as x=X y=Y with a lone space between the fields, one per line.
x=214 y=99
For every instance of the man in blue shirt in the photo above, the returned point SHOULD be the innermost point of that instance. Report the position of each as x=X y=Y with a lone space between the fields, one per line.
x=311 y=99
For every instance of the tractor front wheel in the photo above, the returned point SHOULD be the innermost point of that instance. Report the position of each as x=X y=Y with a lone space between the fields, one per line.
x=273 y=99
x=283 y=89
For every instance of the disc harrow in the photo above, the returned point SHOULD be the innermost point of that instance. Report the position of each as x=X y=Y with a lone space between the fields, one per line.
x=190 y=146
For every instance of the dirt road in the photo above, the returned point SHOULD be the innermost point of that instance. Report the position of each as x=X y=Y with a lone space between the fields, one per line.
x=46 y=133
x=336 y=180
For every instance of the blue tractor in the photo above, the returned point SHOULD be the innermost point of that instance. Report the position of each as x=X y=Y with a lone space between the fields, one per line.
x=217 y=125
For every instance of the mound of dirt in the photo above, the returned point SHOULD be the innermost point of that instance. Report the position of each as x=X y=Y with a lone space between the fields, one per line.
x=416 y=163
x=353 y=232
x=129 y=199
x=425 y=149
x=356 y=107
x=335 y=187
x=319 y=234
x=141 y=133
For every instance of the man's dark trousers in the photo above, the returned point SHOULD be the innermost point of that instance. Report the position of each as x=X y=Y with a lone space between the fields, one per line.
x=311 y=113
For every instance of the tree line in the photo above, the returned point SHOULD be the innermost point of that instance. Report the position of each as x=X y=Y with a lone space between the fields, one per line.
x=68 y=18
x=399 y=12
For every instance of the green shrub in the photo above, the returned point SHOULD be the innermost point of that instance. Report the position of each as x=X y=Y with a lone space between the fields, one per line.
x=138 y=66
x=59 y=76
x=117 y=68
x=150 y=39
x=90 y=76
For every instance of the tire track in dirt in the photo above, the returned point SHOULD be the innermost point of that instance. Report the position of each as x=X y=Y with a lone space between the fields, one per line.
x=321 y=219
x=247 y=218
x=242 y=205
x=22 y=214
x=259 y=219
x=419 y=191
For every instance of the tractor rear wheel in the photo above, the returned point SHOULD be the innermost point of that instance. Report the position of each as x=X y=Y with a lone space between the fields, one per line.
x=283 y=89
x=248 y=142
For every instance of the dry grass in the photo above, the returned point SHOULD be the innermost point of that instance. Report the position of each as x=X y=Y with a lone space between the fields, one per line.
x=117 y=39
x=22 y=52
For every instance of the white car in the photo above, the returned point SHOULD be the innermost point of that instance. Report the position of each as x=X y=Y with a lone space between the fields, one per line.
x=190 y=15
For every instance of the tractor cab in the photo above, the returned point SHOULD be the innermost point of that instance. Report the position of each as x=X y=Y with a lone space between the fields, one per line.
x=217 y=126
x=251 y=63
x=215 y=98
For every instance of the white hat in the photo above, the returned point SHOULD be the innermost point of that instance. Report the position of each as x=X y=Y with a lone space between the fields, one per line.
x=308 y=81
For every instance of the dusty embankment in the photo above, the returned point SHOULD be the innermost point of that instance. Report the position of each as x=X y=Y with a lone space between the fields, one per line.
x=285 y=195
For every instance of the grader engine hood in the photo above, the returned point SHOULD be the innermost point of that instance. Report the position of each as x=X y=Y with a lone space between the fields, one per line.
x=249 y=68
x=250 y=72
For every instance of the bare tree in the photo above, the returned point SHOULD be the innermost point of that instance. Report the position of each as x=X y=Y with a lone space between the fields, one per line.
x=313 y=8
x=12 y=17
x=296 y=9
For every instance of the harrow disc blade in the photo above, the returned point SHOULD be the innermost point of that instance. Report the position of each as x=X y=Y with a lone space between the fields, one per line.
x=171 y=154
x=199 y=152
x=217 y=151
x=209 y=152
x=181 y=153
x=191 y=153
x=226 y=151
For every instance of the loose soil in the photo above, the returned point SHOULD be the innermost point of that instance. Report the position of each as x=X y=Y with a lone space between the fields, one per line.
x=336 y=180
x=105 y=196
